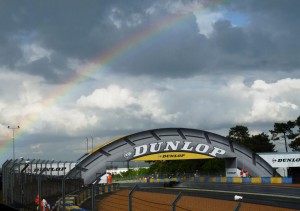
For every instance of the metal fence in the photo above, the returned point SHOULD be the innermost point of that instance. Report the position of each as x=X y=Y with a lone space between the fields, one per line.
x=23 y=180
x=85 y=197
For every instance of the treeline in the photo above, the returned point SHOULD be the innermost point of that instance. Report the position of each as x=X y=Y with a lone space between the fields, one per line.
x=167 y=168
x=289 y=130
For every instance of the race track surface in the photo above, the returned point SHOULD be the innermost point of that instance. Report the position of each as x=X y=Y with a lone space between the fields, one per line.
x=277 y=197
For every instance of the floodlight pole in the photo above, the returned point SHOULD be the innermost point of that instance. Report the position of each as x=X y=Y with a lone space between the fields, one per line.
x=13 y=129
x=92 y=143
x=87 y=145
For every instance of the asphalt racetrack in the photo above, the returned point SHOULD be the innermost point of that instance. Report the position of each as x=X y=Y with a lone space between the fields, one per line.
x=271 y=195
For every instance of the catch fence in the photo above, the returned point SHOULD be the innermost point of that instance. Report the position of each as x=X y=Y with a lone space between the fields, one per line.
x=25 y=179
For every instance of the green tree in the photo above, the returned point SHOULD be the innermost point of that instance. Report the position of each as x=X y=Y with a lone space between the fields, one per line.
x=214 y=166
x=295 y=144
x=283 y=130
x=239 y=134
x=297 y=122
x=176 y=166
x=261 y=143
x=257 y=143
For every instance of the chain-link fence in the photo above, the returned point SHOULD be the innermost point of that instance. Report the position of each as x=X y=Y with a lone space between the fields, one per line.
x=25 y=180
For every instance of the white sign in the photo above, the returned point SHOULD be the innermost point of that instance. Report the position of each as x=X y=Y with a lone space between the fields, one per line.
x=281 y=160
x=170 y=146
x=231 y=172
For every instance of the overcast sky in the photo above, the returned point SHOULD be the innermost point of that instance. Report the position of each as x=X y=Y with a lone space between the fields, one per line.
x=76 y=70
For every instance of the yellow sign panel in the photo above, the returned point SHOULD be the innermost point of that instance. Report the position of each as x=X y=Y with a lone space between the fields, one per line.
x=172 y=156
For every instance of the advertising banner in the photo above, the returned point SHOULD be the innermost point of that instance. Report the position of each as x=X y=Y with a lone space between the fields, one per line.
x=55 y=169
x=281 y=160
x=172 y=156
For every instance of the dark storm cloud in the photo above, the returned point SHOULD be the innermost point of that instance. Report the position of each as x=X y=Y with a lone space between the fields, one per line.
x=269 y=42
x=176 y=52
x=73 y=29
x=272 y=33
x=54 y=68
x=86 y=29
x=10 y=52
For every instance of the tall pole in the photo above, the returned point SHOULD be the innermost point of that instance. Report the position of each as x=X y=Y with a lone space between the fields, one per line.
x=92 y=143
x=13 y=129
x=87 y=145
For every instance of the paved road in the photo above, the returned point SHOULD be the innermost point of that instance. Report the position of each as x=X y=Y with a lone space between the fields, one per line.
x=272 y=195
x=276 y=190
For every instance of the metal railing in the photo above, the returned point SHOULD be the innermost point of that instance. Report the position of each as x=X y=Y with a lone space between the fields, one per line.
x=24 y=179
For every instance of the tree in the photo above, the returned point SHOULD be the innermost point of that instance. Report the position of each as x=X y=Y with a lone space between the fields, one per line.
x=239 y=134
x=257 y=143
x=261 y=143
x=295 y=144
x=213 y=166
x=298 y=122
x=176 y=166
x=283 y=130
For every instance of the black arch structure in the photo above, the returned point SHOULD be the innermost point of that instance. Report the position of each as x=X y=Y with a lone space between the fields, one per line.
x=236 y=156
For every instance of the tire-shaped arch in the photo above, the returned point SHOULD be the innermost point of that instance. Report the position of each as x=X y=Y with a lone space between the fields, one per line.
x=122 y=149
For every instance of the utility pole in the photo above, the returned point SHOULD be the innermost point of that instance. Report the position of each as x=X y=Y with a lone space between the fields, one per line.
x=13 y=129
x=92 y=142
x=87 y=145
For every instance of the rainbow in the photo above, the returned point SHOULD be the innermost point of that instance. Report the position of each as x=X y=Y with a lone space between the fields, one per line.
x=101 y=61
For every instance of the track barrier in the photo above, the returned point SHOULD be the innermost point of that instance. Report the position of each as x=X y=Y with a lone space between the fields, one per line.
x=174 y=202
x=252 y=180
x=74 y=201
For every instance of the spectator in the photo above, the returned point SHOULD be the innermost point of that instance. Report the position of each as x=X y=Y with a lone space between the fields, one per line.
x=44 y=205
x=196 y=173
x=109 y=178
x=242 y=172
x=37 y=201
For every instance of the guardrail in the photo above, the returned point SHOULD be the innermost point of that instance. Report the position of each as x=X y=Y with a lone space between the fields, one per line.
x=258 y=180
x=174 y=202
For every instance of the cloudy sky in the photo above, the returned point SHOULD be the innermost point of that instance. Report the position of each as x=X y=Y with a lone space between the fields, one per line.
x=77 y=70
